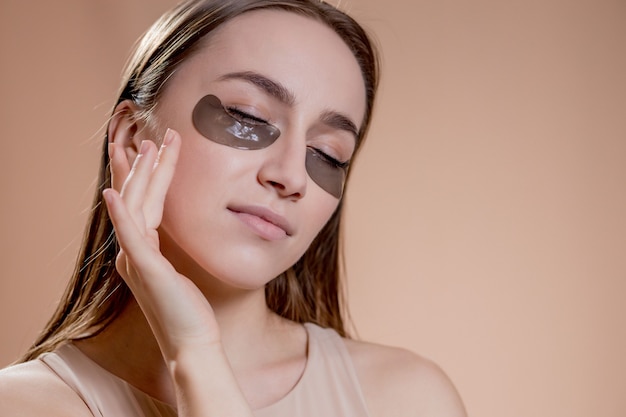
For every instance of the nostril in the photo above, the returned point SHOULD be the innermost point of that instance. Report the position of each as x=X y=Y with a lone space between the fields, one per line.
x=277 y=185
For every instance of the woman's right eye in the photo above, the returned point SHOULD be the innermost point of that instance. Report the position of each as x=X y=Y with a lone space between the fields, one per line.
x=243 y=117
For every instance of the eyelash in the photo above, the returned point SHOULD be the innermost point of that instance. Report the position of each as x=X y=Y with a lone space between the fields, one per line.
x=242 y=116
x=330 y=160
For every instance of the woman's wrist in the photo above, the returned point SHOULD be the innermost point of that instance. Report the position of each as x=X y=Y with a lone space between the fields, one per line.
x=205 y=383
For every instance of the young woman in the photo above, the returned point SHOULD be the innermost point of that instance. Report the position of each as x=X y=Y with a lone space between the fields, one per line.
x=208 y=282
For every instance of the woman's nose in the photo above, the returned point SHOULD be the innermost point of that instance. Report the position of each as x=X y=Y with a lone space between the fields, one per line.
x=284 y=167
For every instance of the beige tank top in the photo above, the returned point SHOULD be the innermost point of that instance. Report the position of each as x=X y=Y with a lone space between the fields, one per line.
x=328 y=386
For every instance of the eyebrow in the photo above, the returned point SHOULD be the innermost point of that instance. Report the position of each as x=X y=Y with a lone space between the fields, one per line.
x=281 y=93
x=271 y=87
x=339 y=121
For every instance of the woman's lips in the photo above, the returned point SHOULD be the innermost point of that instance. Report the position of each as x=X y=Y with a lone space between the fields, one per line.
x=262 y=221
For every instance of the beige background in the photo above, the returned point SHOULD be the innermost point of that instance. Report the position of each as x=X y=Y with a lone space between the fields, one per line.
x=486 y=222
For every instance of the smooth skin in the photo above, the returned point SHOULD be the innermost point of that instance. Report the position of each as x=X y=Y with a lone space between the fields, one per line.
x=200 y=319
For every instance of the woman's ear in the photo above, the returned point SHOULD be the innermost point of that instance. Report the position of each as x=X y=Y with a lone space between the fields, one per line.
x=124 y=128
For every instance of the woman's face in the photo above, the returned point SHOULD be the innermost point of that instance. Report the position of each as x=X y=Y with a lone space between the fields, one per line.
x=245 y=215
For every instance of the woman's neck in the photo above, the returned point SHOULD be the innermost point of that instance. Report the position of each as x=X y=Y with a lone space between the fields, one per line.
x=255 y=339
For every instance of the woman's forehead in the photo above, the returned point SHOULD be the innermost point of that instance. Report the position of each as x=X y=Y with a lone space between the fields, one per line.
x=303 y=54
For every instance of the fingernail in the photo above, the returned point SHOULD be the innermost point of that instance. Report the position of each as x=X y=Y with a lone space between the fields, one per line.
x=144 y=147
x=169 y=137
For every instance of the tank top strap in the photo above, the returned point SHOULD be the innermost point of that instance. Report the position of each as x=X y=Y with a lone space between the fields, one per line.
x=328 y=387
x=105 y=394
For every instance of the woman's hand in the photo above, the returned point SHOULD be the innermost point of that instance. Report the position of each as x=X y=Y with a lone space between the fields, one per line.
x=178 y=313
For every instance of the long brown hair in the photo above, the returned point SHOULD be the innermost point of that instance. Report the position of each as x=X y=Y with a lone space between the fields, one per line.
x=309 y=291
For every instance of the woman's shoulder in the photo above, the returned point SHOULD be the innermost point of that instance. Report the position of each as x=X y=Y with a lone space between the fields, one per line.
x=397 y=382
x=32 y=389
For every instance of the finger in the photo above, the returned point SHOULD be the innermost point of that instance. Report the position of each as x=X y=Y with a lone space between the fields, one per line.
x=135 y=246
x=134 y=189
x=161 y=178
x=154 y=282
x=118 y=164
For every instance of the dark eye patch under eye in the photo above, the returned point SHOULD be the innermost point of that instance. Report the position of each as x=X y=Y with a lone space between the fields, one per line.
x=235 y=129
x=329 y=176
x=215 y=123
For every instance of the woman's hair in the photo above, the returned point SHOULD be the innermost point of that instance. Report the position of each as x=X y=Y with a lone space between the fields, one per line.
x=310 y=290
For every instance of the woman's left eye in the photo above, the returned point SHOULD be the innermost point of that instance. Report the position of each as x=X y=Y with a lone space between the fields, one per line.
x=242 y=116
x=334 y=162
